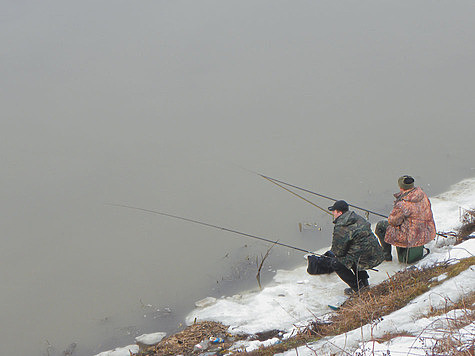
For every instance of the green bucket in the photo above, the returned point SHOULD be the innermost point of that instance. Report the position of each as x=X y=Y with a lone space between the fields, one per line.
x=410 y=255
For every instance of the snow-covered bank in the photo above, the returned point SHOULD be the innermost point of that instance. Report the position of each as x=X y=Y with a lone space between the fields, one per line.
x=409 y=319
x=295 y=297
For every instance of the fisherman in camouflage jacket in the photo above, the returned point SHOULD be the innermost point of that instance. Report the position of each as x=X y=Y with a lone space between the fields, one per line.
x=355 y=247
x=411 y=223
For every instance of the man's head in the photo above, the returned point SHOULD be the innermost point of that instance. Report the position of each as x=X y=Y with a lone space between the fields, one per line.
x=405 y=182
x=338 y=208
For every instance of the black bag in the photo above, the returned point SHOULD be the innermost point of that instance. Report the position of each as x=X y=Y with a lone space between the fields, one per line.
x=320 y=264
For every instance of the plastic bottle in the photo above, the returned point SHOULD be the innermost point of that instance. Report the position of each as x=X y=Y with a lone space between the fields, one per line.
x=216 y=340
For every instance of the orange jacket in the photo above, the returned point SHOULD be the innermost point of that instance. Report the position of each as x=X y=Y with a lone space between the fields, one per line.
x=411 y=222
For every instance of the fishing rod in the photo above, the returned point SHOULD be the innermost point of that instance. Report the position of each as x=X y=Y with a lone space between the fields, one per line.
x=301 y=197
x=219 y=228
x=211 y=225
x=274 y=180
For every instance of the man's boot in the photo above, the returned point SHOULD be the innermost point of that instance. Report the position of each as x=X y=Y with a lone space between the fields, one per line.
x=380 y=231
x=363 y=283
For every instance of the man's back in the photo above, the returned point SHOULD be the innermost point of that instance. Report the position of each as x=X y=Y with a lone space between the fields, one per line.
x=411 y=222
x=354 y=242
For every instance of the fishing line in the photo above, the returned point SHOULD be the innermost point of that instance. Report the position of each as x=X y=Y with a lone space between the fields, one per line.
x=211 y=225
x=274 y=180
x=301 y=197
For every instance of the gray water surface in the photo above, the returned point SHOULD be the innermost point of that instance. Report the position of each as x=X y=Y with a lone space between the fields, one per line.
x=170 y=106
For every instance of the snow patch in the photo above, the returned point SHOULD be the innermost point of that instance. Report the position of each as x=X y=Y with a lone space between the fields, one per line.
x=150 y=339
x=121 y=351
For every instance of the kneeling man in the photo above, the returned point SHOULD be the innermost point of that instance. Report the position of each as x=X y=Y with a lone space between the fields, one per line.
x=355 y=246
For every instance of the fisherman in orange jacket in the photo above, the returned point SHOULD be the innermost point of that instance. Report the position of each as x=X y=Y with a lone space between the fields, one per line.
x=411 y=223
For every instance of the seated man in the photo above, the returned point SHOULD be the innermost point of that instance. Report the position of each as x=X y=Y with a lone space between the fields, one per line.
x=355 y=247
x=410 y=224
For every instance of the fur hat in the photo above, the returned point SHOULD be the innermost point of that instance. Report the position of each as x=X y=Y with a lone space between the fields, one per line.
x=406 y=182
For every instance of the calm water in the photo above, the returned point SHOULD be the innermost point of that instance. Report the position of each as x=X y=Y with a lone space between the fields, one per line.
x=167 y=105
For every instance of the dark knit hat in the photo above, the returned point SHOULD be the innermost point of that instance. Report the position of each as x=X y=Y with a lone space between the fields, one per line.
x=405 y=182
x=339 y=205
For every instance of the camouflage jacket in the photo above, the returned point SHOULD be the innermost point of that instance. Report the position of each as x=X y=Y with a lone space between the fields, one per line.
x=411 y=222
x=354 y=242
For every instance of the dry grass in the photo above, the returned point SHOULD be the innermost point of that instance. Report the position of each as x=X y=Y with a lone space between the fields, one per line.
x=370 y=305
x=364 y=308
x=390 y=336
x=453 y=343
x=466 y=303
x=389 y=296
x=184 y=341
x=467 y=217
x=465 y=232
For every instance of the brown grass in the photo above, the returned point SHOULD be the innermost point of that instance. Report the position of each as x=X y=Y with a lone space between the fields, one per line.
x=370 y=305
x=364 y=308
x=468 y=224
x=467 y=303
x=390 y=336
x=451 y=344
x=184 y=341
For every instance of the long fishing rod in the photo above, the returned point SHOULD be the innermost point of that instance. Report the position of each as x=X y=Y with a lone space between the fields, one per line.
x=218 y=227
x=213 y=226
x=301 y=197
x=275 y=181
x=317 y=194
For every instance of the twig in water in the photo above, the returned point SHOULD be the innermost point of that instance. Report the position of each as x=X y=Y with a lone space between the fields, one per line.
x=258 y=276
